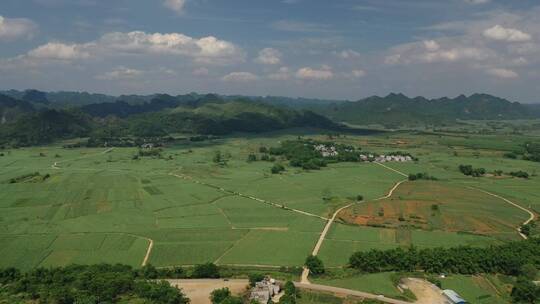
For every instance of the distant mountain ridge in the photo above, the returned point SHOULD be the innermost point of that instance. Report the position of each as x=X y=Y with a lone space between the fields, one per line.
x=398 y=109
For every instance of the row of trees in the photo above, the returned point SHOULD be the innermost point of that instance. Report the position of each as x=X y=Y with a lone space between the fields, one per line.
x=421 y=176
x=507 y=259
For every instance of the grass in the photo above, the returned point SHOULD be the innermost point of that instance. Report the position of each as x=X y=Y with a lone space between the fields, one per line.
x=477 y=289
x=378 y=283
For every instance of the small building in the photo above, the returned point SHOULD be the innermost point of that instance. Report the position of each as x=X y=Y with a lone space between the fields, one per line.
x=264 y=291
x=453 y=297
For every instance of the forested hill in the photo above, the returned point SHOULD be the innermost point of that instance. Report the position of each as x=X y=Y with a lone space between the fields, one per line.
x=399 y=110
x=25 y=123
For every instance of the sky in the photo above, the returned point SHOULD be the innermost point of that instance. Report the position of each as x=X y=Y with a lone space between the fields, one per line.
x=338 y=49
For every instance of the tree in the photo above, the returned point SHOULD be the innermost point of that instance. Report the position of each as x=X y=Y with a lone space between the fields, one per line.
x=254 y=278
x=251 y=158
x=525 y=291
x=206 y=271
x=219 y=295
x=529 y=271
x=315 y=265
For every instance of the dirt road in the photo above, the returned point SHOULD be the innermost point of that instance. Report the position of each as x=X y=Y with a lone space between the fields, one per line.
x=532 y=216
x=199 y=290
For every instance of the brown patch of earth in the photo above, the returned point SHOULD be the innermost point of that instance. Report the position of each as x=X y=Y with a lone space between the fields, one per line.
x=199 y=290
x=425 y=292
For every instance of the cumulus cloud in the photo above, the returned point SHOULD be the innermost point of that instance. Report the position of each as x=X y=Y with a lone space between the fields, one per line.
x=348 y=54
x=207 y=50
x=432 y=45
x=240 y=77
x=307 y=73
x=16 y=28
x=121 y=73
x=175 y=5
x=59 y=51
x=200 y=72
x=358 y=73
x=506 y=34
x=502 y=73
x=269 y=56
x=284 y=73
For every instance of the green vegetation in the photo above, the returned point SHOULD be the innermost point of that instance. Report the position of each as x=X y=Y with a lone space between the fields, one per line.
x=224 y=296
x=421 y=176
x=86 y=284
x=470 y=171
x=507 y=259
x=315 y=265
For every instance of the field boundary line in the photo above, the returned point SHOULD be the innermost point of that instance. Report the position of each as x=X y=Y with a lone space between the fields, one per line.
x=392 y=169
x=55 y=165
x=189 y=178
x=532 y=216
x=231 y=248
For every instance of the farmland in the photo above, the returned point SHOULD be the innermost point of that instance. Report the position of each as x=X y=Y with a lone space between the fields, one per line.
x=105 y=205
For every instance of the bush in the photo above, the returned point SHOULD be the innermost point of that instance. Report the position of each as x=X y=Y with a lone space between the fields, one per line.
x=277 y=168
x=251 y=158
x=520 y=174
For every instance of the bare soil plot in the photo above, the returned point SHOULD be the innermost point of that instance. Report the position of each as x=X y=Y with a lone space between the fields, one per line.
x=198 y=291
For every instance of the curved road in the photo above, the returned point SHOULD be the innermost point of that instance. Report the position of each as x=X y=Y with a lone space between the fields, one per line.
x=532 y=216
x=305 y=272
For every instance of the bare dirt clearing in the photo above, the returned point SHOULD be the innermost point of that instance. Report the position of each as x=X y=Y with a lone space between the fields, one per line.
x=426 y=292
x=199 y=290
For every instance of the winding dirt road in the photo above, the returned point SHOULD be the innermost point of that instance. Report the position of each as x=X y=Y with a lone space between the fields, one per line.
x=532 y=216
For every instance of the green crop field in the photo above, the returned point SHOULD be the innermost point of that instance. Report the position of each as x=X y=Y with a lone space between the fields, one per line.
x=104 y=205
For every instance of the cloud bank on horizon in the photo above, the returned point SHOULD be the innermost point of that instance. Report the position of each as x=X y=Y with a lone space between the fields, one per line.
x=343 y=49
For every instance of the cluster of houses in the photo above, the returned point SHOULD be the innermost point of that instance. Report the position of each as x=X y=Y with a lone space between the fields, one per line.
x=386 y=158
x=264 y=291
x=326 y=151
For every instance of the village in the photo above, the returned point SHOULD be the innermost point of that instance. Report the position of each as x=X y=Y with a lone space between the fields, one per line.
x=329 y=151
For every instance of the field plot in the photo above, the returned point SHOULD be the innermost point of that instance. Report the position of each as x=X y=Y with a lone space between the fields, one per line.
x=441 y=206
x=378 y=283
x=478 y=289
x=343 y=240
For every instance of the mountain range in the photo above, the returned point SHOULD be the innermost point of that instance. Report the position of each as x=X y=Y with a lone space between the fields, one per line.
x=34 y=117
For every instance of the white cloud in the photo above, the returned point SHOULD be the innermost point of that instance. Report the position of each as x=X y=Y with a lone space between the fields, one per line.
x=432 y=45
x=283 y=74
x=240 y=77
x=269 y=56
x=325 y=73
x=59 y=51
x=121 y=73
x=477 y=2
x=348 y=54
x=207 y=50
x=502 y=73
x=16 y=28
x=358 y=73
x=175 y=5
x=200 y=72
x=506 y=34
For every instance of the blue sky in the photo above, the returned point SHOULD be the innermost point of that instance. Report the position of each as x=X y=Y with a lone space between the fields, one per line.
x=340 y=49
